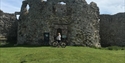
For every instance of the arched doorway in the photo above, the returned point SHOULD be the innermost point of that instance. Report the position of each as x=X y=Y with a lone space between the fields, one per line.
x=46 y=39
x=59 y=30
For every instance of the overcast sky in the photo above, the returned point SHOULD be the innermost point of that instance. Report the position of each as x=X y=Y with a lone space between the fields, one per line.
x=106 y=6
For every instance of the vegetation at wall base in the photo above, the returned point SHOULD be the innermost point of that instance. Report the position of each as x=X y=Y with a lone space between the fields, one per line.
x=115 y=48
x=7 y=44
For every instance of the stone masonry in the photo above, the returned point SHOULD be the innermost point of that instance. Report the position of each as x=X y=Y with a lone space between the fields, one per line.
x=8 y=26
x=77 y=21
x=112 y=30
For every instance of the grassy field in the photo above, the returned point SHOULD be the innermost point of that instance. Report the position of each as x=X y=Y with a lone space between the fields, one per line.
x=60 y=55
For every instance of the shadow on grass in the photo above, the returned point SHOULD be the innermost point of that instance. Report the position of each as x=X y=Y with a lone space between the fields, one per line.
x=12 y=45
x=111 y=48
x=25 y=45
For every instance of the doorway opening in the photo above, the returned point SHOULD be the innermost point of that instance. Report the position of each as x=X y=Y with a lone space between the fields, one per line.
x=59 y=30
x=46 y=38
x=62 y=3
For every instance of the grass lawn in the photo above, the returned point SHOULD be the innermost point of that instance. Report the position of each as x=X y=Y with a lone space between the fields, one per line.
x=60 y=55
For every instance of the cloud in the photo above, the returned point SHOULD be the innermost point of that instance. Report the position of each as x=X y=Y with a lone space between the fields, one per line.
x=105 y=6
x=10 y=6
x=110 y=6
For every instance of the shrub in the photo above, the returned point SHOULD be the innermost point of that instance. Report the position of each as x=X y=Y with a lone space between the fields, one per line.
x=115 y=48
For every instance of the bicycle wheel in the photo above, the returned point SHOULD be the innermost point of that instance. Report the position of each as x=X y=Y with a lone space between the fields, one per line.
x=55 y=44
x=63 y=45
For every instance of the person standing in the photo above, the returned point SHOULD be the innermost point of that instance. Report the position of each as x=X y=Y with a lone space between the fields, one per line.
x=59 y=38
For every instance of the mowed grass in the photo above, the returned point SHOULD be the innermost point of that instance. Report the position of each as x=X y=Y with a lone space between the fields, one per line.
x=60 y=55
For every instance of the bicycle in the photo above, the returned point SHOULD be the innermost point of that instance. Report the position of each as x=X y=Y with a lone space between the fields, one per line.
x=56 y=44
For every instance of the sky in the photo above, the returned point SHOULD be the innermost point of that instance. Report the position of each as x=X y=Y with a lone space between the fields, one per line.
x=105 y=6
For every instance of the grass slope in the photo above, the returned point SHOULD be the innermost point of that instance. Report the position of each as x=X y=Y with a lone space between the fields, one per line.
x=60 y=55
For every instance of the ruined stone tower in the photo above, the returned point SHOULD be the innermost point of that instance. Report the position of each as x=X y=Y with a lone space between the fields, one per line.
x=77 y=21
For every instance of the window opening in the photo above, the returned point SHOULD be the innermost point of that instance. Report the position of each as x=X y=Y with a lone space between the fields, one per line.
x=17 y=17
x=27 y=7
x=62 y=3
x=44 y=0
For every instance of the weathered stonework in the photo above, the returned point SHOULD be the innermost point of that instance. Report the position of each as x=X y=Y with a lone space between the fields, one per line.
x=8 y=26
x=112 y=30
x=76 y=20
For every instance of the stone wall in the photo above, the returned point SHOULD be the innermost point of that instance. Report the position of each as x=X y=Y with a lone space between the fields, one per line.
x=77 y=20
x=8 y=26
x=85 y=27
x=112 y=30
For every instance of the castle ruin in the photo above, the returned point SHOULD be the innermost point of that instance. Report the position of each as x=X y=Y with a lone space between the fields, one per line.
x=112 y=30
x=77 y=21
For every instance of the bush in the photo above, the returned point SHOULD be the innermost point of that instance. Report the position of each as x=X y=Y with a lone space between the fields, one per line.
x=115 y=48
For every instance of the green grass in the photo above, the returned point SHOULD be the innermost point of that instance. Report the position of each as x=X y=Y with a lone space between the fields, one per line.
x=60 y=55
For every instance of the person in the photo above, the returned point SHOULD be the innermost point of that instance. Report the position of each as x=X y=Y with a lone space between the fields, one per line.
x=59 y=38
